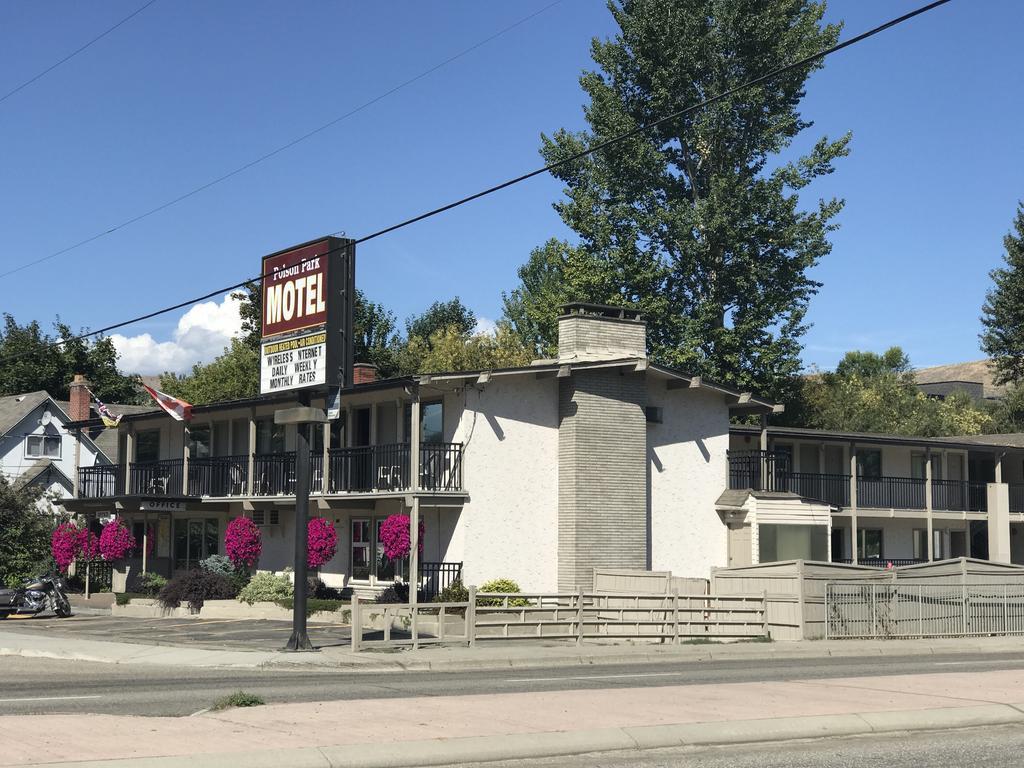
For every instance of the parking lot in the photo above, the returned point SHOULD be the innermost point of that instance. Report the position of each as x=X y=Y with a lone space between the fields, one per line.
x=211 y=634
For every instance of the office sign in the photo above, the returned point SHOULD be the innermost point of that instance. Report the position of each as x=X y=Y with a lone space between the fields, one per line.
x=293 y=362
x=308 y=304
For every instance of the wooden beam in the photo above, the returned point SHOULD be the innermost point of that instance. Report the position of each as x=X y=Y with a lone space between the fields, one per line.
x=564 y=372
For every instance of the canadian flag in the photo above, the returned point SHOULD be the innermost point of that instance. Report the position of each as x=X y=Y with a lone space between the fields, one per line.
x=178 y=409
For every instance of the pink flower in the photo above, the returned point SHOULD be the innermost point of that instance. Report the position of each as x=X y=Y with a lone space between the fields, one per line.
x=243 y=542
x=65 y=544
x=394 y=536
x=88 y=545
x=321 y=542
x=116 y=540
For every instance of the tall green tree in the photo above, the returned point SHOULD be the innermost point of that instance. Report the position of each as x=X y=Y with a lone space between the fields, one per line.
x=439 y=316
x=1002 y=315
x=26 y=526
x=696 y=223
x=32 y=359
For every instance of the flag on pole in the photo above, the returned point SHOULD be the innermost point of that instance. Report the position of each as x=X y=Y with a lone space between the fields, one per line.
x=110 y=420
x=177 y=409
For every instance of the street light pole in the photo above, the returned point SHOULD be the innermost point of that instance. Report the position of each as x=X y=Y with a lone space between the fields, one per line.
x=301 y=417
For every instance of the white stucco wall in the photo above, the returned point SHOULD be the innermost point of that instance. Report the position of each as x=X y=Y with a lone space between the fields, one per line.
x=687 y=469
x=508 y=528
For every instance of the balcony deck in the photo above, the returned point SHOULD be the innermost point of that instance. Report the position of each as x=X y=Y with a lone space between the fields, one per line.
x=367 y=470
x=768 y=471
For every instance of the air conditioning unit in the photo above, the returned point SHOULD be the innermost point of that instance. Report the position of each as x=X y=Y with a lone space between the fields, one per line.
x=263 y=517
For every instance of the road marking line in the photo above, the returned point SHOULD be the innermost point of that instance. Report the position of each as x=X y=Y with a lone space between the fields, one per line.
x=200 y=712
x=50 y=698
x=592 y=677
x=980 y=661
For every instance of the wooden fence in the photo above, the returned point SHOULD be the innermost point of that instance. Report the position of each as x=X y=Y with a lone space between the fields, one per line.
x=571 y=616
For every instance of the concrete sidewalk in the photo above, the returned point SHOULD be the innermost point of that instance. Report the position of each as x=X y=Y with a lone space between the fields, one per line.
x=440 y=730
x=487 y=655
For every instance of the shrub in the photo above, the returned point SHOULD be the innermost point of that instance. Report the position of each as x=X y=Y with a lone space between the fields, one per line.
x=195 y=588
x=455 y=592
x=116 y=540
x=238 y=699
x=313 y=605
x=218 y=564
x=243 y=542
x=396 y=593
x=150 y=584
x=266 y=588
x=123 y=598
x=321 y=542
x=322 y=592
x=394 y=536
x=502 y=587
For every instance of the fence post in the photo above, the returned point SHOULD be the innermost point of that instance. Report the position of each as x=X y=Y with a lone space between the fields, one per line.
x=414 y=608
x=357 y=624
x=675 y=615
x=471 y=616
x=579 y=616
x=963 y=602
x=1006 y=621
x=920 y=609
x=764 y=614
x=874 y=620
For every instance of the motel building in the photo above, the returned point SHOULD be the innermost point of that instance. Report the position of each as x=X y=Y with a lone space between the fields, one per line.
x=596 y=459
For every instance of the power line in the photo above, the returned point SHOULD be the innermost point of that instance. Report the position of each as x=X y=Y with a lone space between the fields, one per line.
x=274 y=152
x=549 y=167
x=74 y=53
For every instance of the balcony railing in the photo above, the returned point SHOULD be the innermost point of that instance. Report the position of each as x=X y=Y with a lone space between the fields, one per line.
x=101 y=481
x=156 y=478
x=883 y=562
x=746 y=469
x=218 y=476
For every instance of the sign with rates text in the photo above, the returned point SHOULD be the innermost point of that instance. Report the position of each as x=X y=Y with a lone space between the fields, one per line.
x=308 y=296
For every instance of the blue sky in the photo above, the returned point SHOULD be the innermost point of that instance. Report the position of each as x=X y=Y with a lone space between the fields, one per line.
x=187 y=91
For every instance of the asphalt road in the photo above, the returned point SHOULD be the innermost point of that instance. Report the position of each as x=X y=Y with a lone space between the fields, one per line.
x=1000 y=747
x=48 y=685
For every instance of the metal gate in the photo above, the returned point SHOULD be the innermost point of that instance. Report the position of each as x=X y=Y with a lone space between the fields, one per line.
x=893 y=610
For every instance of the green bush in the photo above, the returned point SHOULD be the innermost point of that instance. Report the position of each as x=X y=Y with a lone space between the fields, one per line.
x=313 y=604
x=150 y=584
x=455 y=592
x=218 y=564
x=396 y=593
x=502 y=587
x=195 y=588
x=266 y=588
x=123 y=598
x=238 y=699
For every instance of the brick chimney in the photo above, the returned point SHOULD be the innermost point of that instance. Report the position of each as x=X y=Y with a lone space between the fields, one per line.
x=79 y=400
x=599 y=332
x=364 y=373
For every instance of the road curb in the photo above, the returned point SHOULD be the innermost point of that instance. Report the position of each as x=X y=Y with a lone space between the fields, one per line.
x=556 y=744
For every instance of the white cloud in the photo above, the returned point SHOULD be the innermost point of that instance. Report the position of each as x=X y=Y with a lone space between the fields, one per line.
x=201 y=334
x=485 y=325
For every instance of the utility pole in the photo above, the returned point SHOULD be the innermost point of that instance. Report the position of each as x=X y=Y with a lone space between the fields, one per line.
x=301 y=417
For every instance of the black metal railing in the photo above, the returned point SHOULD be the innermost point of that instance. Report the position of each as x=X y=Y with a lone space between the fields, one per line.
x=368 y=468
x=1017 y=498
x=218 y=476
x=977 y=497
x=101 y=481
x=882 y=562
x=832 y=489
x=890 y=493
x=273 y=474
x=435 y=577
x=759 y=470
x=441 y=466
x=156 y=478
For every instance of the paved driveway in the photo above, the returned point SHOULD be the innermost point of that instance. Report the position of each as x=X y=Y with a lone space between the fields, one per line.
x=214 y=634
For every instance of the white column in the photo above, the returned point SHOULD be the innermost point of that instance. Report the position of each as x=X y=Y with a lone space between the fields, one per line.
x=928 y=502
x=853 y=505
x=251 y=459
x=414 y=549
x=185 y=451
x=145 y=539
x=414 y=518
x=129 y=455
x=327 y=458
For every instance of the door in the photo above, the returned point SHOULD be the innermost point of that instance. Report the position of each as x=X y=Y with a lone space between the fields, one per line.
x=194 y=540
x=361 y=564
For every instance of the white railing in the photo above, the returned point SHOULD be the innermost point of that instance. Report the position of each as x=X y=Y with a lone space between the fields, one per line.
x=893 y=610
x=573 y=616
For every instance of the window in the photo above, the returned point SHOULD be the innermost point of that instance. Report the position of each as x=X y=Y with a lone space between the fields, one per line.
x=266 y=517
x=869 y=463
x=199 y=441
x=269 y=437
x=869 y=544
x=43 y=446
x=792 y=542
x=431 y=422
x=194 y=540
x=147 y=446
x=920 y=544
x=361 y=549
x=919 y=466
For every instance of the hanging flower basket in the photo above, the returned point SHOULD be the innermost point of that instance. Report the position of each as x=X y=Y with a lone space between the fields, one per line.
x=394 y=537
x=243 y=542
x=116 y=540
x=321 y=542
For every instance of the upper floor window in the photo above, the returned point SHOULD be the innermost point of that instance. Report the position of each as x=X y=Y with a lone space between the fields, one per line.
x=869 y=463
x=43 y=446
x=147 y=445
x=199 y=441
x=431 y=422
x=269 y=437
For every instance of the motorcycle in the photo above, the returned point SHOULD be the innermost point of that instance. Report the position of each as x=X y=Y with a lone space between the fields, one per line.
x=35 y=596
